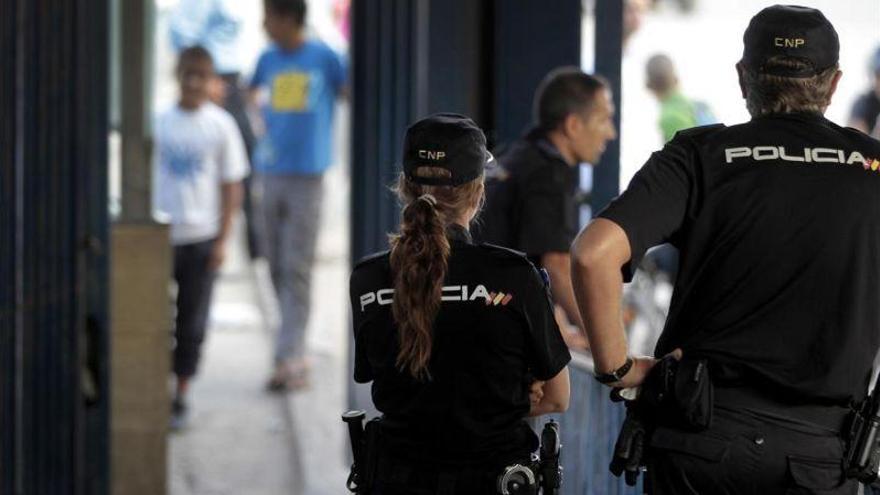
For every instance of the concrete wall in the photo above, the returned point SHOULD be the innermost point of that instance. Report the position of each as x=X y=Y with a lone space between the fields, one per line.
x=141 y=324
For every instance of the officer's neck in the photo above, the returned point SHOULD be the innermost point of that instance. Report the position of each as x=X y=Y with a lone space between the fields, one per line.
x=464 y=220
x=459 y=233
x=561 y=143
x=461 y=223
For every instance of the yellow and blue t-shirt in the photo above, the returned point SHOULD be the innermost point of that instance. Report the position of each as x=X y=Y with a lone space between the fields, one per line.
x=302 y=86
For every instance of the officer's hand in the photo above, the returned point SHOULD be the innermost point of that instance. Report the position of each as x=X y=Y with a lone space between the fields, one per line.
x=641 y=367
x=536 y=392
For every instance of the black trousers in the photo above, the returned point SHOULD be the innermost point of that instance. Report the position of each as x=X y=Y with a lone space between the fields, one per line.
x=396 y=475
x=415 y=481
x=195 y=283
x=747 y=453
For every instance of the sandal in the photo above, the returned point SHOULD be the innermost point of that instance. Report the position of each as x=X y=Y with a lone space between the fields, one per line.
x=289 y=378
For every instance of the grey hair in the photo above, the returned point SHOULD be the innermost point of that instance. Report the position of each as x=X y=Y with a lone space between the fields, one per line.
x=769 y=94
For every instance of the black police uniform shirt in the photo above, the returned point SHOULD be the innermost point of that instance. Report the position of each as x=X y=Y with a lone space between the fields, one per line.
x=778 y=224
x=493 y=335
x=531 y=201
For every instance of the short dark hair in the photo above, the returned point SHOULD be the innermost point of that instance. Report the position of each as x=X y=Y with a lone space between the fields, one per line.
x=193 y=54
x=770 y=94
x=289 y=8
x=564 y=91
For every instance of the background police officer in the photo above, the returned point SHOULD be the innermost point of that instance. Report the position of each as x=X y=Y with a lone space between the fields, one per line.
x=452 y=334
x=865 y=112
x=532 y=201
x=778 y=224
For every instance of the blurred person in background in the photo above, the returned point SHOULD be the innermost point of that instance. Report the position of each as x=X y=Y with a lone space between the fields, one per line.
x=342 y=16
x=685 y=6
x=452 y=333
x=295 y=86
x=773 y=326
x=677 y=112
x=216 y=25
x=633 y=17
x=865 y=113
x=531 y=203
x=201 y=162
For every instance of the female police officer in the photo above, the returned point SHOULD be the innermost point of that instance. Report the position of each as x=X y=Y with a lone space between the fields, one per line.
x=452 y=334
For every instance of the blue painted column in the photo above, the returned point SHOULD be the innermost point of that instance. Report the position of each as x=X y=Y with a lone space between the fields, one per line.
x=609 y=53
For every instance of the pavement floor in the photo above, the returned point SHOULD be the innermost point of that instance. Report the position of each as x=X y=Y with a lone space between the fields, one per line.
x=242 y=439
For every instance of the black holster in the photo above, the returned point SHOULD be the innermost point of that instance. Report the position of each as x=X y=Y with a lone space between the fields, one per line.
x=677 y=394
x=373 y=433
x=365 y=445
x=543 y=474
x=863 y=440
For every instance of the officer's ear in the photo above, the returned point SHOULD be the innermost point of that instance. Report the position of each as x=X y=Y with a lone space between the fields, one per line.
x=740 y=70
x=572 y=124
x=836 y=79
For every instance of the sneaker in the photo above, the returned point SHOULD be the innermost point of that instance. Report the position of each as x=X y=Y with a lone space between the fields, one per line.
x=179 y=414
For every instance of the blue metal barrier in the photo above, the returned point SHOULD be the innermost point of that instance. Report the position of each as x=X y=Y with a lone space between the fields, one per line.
x=589 y=430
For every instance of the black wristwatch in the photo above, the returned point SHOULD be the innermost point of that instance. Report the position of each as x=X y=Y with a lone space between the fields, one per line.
x=616 y=375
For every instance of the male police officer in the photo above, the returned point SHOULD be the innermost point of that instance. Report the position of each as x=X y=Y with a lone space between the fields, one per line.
x=778 y=224
x=531 y=201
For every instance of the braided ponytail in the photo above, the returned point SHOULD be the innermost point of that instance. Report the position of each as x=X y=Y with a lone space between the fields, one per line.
x=420 y=260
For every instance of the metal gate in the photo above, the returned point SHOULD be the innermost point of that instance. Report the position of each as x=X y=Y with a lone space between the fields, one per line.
x=53 y=255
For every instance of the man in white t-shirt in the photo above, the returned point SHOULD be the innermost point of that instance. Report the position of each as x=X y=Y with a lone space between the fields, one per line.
x=200 y=165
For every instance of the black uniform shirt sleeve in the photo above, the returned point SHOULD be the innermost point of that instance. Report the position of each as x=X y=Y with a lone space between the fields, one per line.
x=653 y=207
x=548 y=351
x=363 y=373
x=545 y=225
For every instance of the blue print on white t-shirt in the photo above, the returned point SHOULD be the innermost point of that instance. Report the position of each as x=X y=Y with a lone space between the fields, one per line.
x=182 y=160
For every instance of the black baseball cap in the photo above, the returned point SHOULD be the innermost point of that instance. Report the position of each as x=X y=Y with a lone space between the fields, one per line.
x=445 y=140
x=791 y=31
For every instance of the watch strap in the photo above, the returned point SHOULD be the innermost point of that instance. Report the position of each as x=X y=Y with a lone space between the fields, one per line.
x=616 y=375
